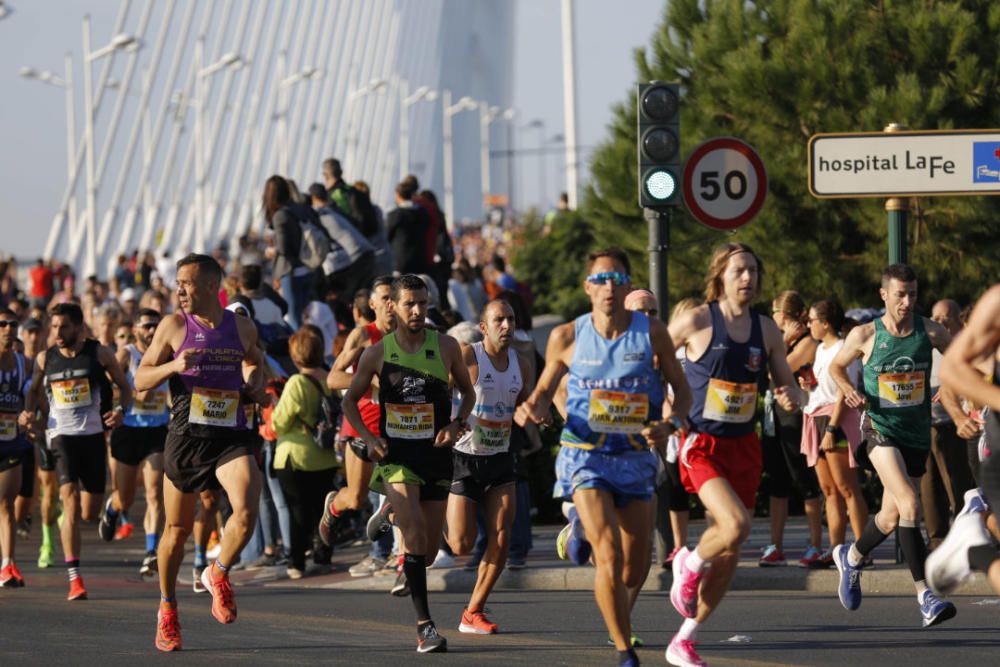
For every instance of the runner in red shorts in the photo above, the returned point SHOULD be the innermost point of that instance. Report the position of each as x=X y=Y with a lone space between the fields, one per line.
x=730 y=350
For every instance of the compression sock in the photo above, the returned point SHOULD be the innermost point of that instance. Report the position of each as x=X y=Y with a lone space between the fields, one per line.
x=200 y=560
x=152 y=541
x=47 y=534
x=911 y=543
x=415 y=568
x=871 y=537
x=981 y=557
x=73 y=569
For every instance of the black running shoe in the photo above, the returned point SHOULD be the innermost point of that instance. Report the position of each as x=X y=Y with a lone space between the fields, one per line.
x=326 y=523
x=106 y=526
x=429 y=641
x=401 y=588
x=379 y=524
x=149 y=566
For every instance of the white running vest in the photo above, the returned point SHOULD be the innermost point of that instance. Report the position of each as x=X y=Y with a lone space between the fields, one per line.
x=493 y=414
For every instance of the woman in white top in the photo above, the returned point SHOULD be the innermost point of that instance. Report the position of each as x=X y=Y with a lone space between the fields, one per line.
x=830 y=429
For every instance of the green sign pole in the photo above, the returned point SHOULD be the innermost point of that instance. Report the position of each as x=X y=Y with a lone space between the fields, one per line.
x=897 y=208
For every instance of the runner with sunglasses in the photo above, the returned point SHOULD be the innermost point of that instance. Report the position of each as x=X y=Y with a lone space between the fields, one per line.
x=616 y=411
x=15 y=370
x=139 y=442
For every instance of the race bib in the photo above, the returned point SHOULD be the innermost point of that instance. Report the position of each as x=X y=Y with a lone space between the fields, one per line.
x=901 y=390
x=214 y=407
x=72 y=393
x=409 y=422
x=730 y=402
x=491 y=436
x=8 y=426
x=154 y=405
x=617 y=411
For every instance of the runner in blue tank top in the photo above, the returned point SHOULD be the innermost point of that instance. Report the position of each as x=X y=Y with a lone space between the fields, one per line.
x=212 y=362
x=730 y=350
x=139 y=442
x=616 y=411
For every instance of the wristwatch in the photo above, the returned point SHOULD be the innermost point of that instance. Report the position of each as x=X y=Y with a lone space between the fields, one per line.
x=831 y=429
x=676 y=422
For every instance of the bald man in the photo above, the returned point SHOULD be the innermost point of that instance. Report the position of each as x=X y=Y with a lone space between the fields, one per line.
x=948 y=474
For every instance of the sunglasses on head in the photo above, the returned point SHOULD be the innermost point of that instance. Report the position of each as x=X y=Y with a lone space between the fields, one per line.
x=616 y=277
x=8 y=323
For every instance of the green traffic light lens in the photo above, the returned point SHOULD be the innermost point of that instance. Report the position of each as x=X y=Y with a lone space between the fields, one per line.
x=660 y=184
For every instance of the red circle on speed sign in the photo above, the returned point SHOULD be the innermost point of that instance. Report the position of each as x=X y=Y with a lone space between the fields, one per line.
x=724 y=183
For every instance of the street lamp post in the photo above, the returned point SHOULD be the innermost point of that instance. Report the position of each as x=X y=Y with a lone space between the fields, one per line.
x=405 y=102
x=487 y=116
x=539 y=124
x=448 y=110
x=372 y=86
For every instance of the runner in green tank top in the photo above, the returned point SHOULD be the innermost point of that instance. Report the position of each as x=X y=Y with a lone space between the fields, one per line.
x=413 y=453
x=896 y=352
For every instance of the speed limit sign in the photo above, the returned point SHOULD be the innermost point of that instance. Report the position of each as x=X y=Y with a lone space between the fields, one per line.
x=724 y=183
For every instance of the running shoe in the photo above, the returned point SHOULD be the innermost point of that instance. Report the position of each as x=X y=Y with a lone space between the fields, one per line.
x=77 y=591
x=124 y=531
x=24 y=527
x=681 y=652
x=168 y=630
x=772 y=557
x=849 y=589
x=264 y=560
x=368 y=566
x=476 y=623
x=429 y=641
x=572 y=544
x=10 y=577
x=196 y=575
x=442 y=561
x=294 y=573
x=974 y=502
x=669 y=560
x=223 y=604
x=948 y=565
x=684 y=587
x=402 y=587
x=635 y=640
x=824 y=562
x=326 y=523
x=512 y=564
x=935 y=610
x=45 y=556
x=379 y=524
x=150 y=566
x=811 y=555
x=107 y=525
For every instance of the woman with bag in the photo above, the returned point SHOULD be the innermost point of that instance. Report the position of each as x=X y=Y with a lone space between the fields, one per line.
x=304 y=470
x=285 y=217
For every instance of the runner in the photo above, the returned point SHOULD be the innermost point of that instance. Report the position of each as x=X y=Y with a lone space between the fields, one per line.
x=896 y=431
x=730 y=350
x=357 y=464
x=15 y=369
x=35 y=342
x=968 y=545
x=210 y=358
x=73 y=374
x=139 y=443
x=483 y=463
x=414 y=466
x=616 y=411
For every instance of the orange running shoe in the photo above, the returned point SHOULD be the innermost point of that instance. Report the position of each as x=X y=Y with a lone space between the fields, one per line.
x=476 y=623
x=17 y=575
x=7 y=578
x=168 y=629
x=77 y=591
x=124 y=531
x=223 y=604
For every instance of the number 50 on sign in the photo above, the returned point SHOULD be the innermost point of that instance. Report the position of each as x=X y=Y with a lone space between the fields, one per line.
x=724 y=183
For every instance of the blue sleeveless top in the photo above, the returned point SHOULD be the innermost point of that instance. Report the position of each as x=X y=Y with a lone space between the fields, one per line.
x=726 y=380
x=613 y=389
x=13 y=386
x=151 y=411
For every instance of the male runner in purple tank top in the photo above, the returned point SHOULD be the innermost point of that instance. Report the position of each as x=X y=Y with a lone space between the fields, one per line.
x=211 y=360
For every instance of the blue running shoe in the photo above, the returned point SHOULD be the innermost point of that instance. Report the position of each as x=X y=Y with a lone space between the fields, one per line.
x=849 y=589
x=571 y=544
x=935 y=610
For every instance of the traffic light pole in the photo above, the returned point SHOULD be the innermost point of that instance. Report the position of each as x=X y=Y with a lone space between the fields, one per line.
x=659 y=245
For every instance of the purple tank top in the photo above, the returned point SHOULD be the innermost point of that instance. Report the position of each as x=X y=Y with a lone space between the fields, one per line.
x=206 y=399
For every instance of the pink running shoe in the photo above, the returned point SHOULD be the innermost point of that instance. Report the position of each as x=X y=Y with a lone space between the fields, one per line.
x=681 y=652
x=684 y=588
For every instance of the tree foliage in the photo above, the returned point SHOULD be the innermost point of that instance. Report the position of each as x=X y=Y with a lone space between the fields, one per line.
x=775 y=72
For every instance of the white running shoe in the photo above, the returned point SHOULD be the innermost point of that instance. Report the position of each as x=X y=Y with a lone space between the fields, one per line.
x=974 y=502
x=948 y=565
x=442 y=561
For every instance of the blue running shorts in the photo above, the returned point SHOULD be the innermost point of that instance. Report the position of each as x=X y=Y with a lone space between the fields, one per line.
x=627 y=476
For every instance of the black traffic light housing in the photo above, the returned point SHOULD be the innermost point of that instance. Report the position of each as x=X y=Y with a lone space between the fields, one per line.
x=659 y=138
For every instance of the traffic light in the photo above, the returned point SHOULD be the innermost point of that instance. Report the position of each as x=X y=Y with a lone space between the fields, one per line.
x=659 y=119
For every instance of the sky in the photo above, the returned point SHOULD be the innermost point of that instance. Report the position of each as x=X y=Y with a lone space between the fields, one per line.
x=33 y=122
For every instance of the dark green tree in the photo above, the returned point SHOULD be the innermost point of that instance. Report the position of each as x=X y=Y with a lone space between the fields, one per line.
x=773 y=73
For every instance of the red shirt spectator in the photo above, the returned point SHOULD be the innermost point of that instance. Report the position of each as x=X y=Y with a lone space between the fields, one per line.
x=41 y=281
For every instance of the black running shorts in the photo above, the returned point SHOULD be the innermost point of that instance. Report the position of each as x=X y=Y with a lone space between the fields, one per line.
x=914 y=458
x=190 y=463
x=27 y=473
x=132 y=444
x=474 y=476
x=83 y=459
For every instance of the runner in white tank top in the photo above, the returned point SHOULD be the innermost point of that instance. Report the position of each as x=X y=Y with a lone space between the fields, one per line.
x=483 y=463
